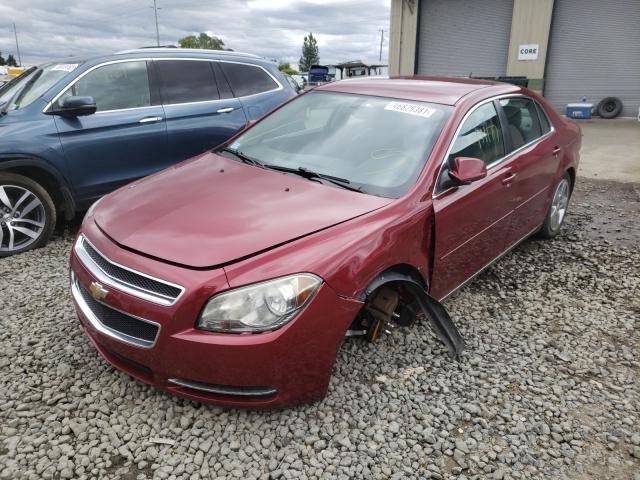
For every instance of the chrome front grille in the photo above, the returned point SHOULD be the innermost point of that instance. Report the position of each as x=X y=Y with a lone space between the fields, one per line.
x=125 y=279
x=113 y=322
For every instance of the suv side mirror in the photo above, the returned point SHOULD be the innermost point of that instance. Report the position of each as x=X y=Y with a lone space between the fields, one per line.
x=75 y=107
x=467 y=169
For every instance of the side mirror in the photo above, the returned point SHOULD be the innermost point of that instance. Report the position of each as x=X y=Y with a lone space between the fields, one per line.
x=75 y=107
x=468 y=169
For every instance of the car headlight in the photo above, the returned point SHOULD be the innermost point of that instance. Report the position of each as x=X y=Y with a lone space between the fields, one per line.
x=259 y=307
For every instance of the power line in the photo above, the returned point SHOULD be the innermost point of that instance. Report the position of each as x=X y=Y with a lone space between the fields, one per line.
x=155 y=10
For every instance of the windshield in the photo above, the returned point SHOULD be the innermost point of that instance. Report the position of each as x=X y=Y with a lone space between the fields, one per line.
x=30 y=86
x=378 y=144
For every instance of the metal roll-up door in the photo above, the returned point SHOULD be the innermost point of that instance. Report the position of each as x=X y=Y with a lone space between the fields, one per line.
x=462 y=37
x=594 y=52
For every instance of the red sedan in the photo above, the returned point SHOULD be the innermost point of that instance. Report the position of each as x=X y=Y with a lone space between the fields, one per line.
x=234 y=277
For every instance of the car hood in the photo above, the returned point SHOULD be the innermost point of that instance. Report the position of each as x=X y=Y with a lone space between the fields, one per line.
x=211 y=211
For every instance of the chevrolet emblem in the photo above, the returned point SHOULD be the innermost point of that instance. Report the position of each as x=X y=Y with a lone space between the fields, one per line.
x=98 y=291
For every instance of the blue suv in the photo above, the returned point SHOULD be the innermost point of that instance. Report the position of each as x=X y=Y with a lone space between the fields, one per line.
x=72 y=131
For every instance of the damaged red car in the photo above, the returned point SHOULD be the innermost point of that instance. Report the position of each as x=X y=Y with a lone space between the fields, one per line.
x=234 y=277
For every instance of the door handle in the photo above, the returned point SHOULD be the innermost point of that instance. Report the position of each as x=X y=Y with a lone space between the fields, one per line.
x=509 y=178
x=556 y=150
x=150 y=119
x=225 y=110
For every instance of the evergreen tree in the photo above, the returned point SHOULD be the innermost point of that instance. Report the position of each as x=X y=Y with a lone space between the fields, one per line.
x=310 y=54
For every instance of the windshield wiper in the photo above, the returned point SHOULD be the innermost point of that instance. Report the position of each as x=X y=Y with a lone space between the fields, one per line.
x=301 y=171
x=243 y=157
x=310 y=175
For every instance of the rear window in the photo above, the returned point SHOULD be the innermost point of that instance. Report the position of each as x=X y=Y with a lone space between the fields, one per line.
x=184 y=81
x=247 y=79
x=544 y=121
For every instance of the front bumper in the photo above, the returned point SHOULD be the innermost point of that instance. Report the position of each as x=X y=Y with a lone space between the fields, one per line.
x=288 y=366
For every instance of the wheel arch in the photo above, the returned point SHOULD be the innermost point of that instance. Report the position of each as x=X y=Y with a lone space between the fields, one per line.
x=410 y=277
x=401 y=270
x=47 y=176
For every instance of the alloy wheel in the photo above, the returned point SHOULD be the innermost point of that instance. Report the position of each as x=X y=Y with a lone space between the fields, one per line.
x=559 y=204
x=22 y=218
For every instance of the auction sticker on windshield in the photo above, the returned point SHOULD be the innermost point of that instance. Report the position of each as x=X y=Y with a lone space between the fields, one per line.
x=411 y=109
x=65 y=67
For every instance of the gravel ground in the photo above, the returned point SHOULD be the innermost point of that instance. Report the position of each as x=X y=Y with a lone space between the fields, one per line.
x=548 y=386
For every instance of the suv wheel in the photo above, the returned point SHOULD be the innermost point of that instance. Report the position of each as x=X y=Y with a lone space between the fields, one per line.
x=27 y=214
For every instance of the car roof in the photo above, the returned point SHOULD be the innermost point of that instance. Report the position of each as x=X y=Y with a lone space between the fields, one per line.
x=443 y=90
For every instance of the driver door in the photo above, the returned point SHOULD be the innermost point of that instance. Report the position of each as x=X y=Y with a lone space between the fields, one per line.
x=472 y=221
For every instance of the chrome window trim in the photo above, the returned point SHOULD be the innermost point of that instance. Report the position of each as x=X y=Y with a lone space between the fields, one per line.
x=111 y=281
x=99 y=326
x=500 y=160
x=146 y=59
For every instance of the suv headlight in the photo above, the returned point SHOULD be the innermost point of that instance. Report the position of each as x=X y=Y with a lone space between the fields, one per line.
x=259 y=307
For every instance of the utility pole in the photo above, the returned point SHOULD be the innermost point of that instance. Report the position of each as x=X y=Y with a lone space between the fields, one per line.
x=381 y=40
x=15 y=33
x=155 y=10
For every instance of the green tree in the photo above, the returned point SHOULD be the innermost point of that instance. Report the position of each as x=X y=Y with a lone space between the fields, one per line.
x=286 y=68
x=2 y=60
x=310 y=54
x=202 y=41
x=11 y=61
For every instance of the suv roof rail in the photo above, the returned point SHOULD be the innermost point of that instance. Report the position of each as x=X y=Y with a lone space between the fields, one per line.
x=172 y=49
x=158 y=46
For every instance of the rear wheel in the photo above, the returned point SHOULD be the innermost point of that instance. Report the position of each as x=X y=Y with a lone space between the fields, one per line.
x=558 y=209
x=27 y=214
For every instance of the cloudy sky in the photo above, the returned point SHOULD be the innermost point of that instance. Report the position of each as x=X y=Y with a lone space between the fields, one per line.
x=53 y=29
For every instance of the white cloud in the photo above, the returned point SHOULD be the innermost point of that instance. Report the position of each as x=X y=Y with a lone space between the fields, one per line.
x=346 y=29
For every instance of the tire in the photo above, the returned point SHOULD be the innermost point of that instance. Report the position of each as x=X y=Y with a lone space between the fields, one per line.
x=609 y=107
x=31 y=227
x=558 y=209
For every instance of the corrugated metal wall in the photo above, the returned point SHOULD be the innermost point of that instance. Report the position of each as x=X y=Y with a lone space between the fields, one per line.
x=594 y=51
x=459 y=37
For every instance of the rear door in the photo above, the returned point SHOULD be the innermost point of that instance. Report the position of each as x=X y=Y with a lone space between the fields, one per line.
x=125 y=139
x=472 y=221
x=258 y=90
x=201 y=113
x=534 y=151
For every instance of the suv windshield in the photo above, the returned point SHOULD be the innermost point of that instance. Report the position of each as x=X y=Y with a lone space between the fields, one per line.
x=379 y=145
x=32 y=84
